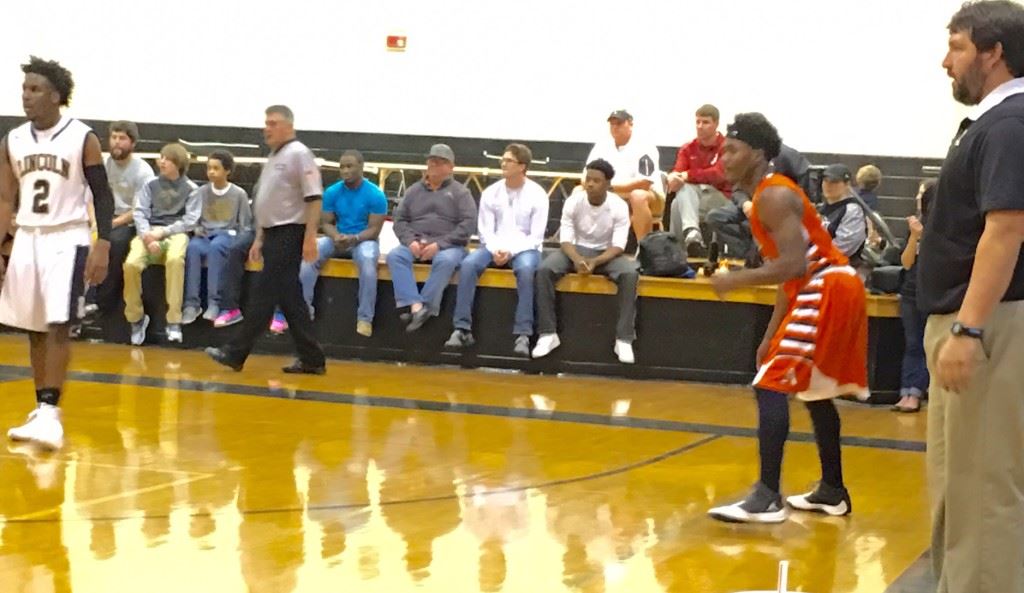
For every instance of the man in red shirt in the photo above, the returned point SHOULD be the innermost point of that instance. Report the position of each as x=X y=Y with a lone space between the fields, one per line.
x=698 y=181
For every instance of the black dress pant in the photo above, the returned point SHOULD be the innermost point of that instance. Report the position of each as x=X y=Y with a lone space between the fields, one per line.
x=110 y=292
x=277 y=285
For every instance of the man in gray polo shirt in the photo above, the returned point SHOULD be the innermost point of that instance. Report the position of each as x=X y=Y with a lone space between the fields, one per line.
x=433 y=223
x=287 y=213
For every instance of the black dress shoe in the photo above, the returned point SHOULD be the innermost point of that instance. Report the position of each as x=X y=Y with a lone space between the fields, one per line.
x=300 y=368
x=418 y=319
x=222 y=357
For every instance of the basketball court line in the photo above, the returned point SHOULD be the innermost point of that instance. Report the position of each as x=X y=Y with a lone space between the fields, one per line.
x=40 y=516
x=403 y=403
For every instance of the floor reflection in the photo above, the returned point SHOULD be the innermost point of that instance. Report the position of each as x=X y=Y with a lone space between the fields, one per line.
x=186 y=490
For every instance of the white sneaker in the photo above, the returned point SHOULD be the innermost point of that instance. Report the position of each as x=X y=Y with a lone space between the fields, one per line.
x=212 y=313
x=174 y=333
x=545 y=344
x=624 y=350
x=139 y=330
x=43 y=427
x=189 y=315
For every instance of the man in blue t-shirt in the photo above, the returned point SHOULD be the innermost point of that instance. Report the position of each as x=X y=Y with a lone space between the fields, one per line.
x=351 y=220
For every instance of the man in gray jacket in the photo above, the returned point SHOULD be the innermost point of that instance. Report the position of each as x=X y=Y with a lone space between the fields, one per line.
x=433 y=224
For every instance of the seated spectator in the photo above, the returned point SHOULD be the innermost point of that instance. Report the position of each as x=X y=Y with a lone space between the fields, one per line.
x=353 y=214
x=127 y=175
x=511 y=223
x=914 y=380
x=225 y=214
x=869 y=177
x=698 y=181
x=594 y=231
x=793 y=164
x=433 y=223
x=232 y=276
x=166 y=210
x=729 y=223
x=842 y=215
x=637 y=178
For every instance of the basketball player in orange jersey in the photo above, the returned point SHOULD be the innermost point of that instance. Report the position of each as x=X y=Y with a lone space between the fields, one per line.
x=815 y=346
x=49 y=164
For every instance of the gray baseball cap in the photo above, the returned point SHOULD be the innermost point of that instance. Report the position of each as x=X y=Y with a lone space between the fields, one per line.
x=620 y=114
x=442 y=151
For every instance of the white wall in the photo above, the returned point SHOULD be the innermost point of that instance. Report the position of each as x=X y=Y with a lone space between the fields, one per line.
x=846 y=77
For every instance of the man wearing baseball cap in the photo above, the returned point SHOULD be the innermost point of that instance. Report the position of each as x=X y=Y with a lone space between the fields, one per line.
x=637 y=177
x=433 y=223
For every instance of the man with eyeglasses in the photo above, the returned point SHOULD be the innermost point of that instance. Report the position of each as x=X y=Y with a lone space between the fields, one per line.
x=511 y=221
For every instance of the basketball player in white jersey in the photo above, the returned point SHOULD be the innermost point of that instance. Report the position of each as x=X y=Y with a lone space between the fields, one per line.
x=48 y=164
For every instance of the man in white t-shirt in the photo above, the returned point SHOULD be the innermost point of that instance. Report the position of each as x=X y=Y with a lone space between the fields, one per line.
x=594 y=230
x=637 y=177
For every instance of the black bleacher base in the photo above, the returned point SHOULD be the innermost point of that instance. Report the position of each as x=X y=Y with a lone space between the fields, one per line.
x=679 y=338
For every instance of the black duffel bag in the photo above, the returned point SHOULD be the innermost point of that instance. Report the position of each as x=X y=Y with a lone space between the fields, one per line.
x=661 y=255
x=886 y=279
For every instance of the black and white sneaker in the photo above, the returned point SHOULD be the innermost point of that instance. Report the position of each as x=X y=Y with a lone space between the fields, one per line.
x=762 y=505
x=823 y=499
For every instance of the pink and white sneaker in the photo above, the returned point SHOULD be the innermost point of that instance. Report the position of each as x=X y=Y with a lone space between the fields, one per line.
x=278 y=325
x=228 y=318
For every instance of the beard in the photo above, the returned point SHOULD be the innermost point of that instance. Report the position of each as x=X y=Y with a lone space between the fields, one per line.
x=119 y=153
x=967 y=87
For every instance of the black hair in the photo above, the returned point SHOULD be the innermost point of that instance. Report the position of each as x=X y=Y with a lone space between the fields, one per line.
x=994 y=21
x=602 y=166
x=754 y=129
x=52 y=71
x=227 y=160
x=358 y=156
x=927 y=195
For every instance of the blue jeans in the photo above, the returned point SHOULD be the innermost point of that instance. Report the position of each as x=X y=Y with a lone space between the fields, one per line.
x=445 y=263
x=524 y=266
x=214 y=250
x=364 y=255
x=915 y=371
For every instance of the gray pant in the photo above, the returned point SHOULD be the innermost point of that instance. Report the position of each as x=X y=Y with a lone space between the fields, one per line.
x=621 y=270
x=976 y=461
x=691 y=206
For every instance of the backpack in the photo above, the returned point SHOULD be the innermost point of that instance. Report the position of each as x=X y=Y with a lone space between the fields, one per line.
x=661 y=255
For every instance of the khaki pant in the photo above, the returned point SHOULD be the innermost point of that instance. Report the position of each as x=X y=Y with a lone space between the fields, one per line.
x=173 y=260
x=976 y=461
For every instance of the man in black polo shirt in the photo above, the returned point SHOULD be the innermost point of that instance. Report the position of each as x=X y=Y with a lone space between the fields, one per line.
x=971 y=282
x=287 y=213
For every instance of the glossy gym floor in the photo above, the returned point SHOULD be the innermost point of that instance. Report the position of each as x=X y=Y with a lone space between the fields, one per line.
x=179 y=475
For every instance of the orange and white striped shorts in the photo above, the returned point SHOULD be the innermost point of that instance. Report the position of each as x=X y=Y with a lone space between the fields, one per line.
x=820 y=349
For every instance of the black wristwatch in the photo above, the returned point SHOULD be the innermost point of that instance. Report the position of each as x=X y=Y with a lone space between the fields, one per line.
x=960 y=329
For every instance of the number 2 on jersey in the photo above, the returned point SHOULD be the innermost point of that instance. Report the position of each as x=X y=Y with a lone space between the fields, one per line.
x=39 y=203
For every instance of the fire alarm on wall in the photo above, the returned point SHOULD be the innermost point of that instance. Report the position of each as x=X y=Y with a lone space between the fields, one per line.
x=396 y=43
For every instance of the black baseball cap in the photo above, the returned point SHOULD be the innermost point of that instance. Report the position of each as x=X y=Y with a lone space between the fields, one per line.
x=837 y=172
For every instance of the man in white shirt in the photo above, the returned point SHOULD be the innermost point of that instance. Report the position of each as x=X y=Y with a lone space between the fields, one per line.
x=512 y=217
x=637 y=178
x=594 y=230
